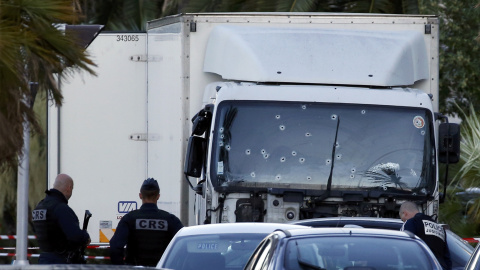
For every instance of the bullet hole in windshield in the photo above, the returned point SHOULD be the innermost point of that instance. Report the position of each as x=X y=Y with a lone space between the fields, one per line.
x=422 y=132
x=277 y=116
x=220 y=143
x=294 y=153
x=333 y=117
x=282 y=127
x=265 y=156
x=309 y=178
x=353 y=170
x=227 y=147
x=304 y=107
x=327 y=162
x=308 y=134
x=352 y=176
x=301 y=160
x=339 y=156
x=363 y=111
x=278 y=177
x=247 y=151
x=263 y=151
x=221 y=130
x=384 y=186
x=282 y=159
x=222 y=136
x=252 y=174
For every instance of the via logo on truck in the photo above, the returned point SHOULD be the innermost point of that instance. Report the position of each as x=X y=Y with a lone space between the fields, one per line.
x=126 y=206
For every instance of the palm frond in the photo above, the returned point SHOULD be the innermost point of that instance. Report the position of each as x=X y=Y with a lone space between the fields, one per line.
x=469 y=173
x=201 y=6
x=33 y=51
x=361 y=6
x=297 y=6
x=410 y=7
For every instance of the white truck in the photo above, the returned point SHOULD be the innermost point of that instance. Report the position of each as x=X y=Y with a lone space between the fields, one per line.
x=295 y=116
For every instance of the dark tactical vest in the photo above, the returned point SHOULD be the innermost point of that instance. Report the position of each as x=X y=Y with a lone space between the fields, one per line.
x=148 y=238
x=49 y=234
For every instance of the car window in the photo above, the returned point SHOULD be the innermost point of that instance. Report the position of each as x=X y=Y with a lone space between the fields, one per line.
x=219 y=251
x=263 y=255
x=460 y=251
x=348 y=252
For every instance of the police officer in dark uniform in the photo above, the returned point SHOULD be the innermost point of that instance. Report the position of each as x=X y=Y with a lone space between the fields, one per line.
x=56 y=226
x=146 y=231
x=428 y=230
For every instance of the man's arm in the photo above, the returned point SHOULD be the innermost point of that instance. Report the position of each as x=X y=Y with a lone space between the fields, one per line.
x=118 y=242
x=175 y=225
x=410 y=226
x=70 y=226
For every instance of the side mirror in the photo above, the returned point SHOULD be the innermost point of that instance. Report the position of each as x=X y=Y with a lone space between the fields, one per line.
x=195 y=156
x=200 y=124
x=202 y=120
x=449 y=143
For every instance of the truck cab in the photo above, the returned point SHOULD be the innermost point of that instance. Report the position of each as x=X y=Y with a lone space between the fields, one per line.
x=319 y=122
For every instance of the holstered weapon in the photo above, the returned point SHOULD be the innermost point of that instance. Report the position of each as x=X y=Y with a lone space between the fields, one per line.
x=78 y=256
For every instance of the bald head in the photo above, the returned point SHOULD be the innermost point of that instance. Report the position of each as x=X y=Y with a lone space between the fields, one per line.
x=408 y=210
x=64 y=183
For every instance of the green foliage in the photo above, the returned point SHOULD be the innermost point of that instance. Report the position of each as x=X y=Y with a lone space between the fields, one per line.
x=460 y=213
x=132 y=15
x=453 y=213
x=468 y=175
x=459 y=51
x=118 y=15
x=297 y=5
x=32 y=49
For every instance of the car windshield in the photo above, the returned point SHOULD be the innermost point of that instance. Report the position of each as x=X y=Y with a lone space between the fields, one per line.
x=219 y=251
x=291 y=145
x=349 y=252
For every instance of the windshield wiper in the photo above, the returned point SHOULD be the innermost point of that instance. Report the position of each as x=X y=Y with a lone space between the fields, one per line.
x=329 y=182
x=301 y=262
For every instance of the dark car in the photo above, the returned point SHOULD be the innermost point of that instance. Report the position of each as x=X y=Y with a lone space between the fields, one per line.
x=474 y=262
x=460 y=250
x=342 y=248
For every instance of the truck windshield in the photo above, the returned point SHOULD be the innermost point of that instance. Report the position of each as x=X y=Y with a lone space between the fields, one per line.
x=290 y=145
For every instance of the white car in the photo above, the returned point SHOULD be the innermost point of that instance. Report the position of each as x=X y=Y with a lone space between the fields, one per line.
x=217 y=246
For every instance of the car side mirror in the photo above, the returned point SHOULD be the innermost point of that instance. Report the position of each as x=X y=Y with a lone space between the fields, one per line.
x=195 y=156
x=449 y=143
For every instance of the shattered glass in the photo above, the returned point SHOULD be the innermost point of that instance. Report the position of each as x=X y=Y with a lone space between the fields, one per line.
x=292 y=144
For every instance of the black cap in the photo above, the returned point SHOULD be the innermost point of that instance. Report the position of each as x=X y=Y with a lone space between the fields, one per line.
x=150 y=184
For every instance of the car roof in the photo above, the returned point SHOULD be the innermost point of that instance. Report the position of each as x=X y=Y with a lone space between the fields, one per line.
x=351 y=231
x=239 y=227
x=370 y=222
